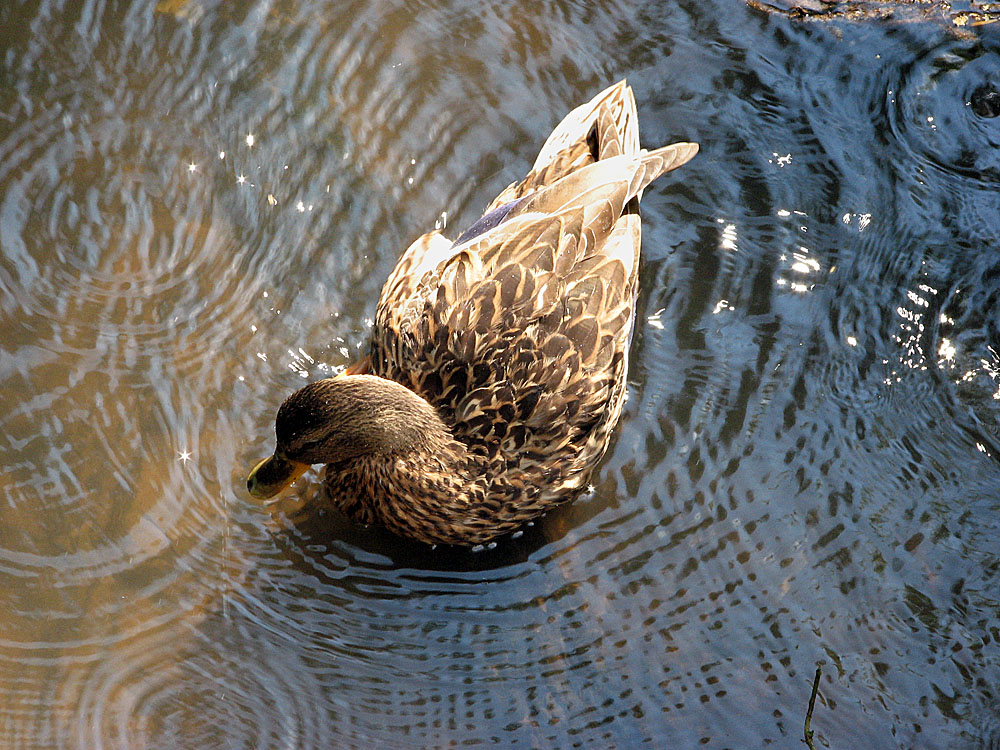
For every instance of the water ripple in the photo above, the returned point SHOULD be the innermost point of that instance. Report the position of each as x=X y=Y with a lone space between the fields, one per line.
x=932 y=113
x=198 y=205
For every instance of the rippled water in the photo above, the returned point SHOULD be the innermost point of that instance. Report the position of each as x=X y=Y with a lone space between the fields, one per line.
x=198 y=204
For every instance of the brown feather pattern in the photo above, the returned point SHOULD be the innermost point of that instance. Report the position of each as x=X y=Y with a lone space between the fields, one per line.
x=518 y=338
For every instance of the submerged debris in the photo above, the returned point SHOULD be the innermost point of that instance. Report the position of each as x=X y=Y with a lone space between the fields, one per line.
x=902 y=11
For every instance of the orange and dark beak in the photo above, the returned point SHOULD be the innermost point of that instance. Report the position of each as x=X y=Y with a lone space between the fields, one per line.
x=272 y=475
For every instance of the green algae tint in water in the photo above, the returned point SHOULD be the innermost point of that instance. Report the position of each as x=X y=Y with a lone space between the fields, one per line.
x=198 y=205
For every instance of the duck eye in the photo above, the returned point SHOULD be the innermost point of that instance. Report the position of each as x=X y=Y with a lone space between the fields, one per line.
x=308 y=446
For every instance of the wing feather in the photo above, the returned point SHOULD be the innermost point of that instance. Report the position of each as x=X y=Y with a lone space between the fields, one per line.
x=519 y=334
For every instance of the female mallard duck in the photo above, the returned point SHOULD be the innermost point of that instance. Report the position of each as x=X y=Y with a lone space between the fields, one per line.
x=498 y=361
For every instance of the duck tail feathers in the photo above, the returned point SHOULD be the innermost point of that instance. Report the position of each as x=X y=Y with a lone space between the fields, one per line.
x=659 y=161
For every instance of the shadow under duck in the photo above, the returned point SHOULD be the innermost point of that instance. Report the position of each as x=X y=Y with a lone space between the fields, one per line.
x=498 y=361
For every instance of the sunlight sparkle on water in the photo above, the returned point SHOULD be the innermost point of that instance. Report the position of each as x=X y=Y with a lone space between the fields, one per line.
x=803 y=263
x=946 y=351
x=729 y=237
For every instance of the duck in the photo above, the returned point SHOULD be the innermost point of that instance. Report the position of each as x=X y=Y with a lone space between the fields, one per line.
x=498 y=360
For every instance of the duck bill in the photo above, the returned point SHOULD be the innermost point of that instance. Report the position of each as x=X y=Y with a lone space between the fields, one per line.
x=272 y=475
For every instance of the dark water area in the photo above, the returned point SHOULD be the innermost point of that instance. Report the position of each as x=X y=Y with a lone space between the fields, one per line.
x=199 y=202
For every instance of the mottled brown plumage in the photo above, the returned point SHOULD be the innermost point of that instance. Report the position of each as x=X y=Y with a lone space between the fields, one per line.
x=498 y=362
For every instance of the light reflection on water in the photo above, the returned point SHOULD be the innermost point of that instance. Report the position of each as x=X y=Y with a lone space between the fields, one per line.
x=198 y=206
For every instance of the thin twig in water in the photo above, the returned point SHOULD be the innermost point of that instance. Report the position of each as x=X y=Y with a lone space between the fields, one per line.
x=807 y=730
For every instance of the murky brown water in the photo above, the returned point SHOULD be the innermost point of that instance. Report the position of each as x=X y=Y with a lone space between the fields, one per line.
x=199 y=202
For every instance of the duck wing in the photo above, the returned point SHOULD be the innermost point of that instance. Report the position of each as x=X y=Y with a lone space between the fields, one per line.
x=519 y=335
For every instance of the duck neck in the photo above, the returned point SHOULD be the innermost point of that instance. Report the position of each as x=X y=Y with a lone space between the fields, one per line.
x=392 y=460
x=433 y=493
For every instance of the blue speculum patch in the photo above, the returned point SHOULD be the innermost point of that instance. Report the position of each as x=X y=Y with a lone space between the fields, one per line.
x=487 y=222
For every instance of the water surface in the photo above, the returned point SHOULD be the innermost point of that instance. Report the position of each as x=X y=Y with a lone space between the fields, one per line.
x=198 y=205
